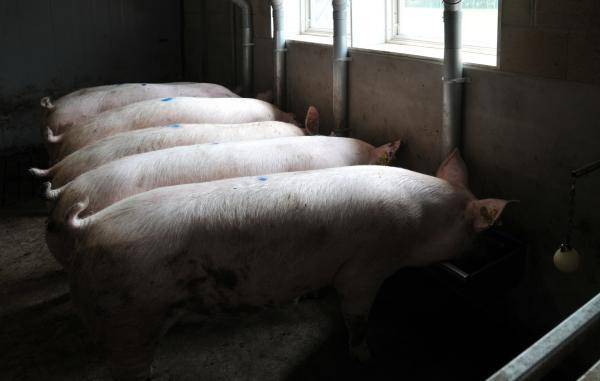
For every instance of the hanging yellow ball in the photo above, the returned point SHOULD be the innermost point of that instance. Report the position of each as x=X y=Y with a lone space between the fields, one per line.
x=566 y=259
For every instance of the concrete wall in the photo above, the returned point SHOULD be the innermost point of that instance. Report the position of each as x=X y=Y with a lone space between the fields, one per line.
x=209 y=40
x=552 y=38
x=51 y=47
x=212 y=43
x=527 y=124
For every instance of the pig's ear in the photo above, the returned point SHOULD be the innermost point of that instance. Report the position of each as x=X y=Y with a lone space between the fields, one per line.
x=385 y=154
x=454 y=170
x=485 y=213
x=311 y=123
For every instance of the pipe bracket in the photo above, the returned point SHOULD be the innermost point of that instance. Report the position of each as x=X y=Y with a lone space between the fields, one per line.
x=457 y=80
x=280 y=50
x=344 y=59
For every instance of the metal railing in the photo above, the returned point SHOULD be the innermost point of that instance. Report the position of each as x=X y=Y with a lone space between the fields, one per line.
x=543 y=356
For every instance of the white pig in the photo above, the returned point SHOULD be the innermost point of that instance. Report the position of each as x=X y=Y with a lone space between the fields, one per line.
x=161 y=112
x=151 y=139
x=126 y=177
x=254 y=241
x=77 y=107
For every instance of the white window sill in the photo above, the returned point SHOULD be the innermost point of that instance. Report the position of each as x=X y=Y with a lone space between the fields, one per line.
x=414 y=51
x=434 y=52
x=312 y=38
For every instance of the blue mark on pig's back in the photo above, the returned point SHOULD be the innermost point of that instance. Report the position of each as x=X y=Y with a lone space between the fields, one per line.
x=166 y=99
x=263 y=178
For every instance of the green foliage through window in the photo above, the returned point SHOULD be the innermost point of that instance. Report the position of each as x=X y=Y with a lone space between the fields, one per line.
x=466 y=4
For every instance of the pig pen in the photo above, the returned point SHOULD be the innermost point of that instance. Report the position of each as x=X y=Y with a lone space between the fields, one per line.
x=427 y=324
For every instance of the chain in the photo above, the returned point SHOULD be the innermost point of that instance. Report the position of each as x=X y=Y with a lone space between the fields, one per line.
x=571 y=212
x=586 y=170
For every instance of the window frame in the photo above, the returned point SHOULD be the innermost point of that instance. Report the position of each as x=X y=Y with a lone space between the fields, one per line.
x=394 y=37
x=305 y=27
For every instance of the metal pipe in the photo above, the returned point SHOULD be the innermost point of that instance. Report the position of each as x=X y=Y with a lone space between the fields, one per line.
x=340 y=67
x=586 y=170
x=542 y=356
x=247 y=47
x=279 y=52
x=592 y=374
x=453 y=77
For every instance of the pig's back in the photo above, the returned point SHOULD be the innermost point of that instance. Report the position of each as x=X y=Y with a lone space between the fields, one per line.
x=167 y=111
x=139 y=173
x=78 y=107
x=138 y=92
x=130 y=143
x=314 y=192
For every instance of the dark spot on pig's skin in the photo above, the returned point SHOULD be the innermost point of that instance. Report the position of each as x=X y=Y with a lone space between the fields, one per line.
x=263 y=178
x=223 y=277
x=238 y=309
x=174 y=260
x=166 y=99
x=178 y=305
x=320 y=235
x=193 y=284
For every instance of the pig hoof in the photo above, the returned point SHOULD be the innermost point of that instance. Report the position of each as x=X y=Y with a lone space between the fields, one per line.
x=361 y=353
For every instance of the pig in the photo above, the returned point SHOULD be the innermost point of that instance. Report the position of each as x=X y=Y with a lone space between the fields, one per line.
x=248 y=242
x=151 y=139
x=128 y=176
x=160 y=112
x=78 y=107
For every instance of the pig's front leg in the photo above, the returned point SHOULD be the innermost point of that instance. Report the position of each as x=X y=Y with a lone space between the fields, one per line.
x=357 y=284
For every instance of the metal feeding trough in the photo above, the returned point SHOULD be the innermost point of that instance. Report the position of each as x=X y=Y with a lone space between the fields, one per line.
x=496 y=262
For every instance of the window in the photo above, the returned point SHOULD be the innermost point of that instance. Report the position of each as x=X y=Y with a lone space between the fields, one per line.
x=318 y=17
x=420 y=22
x=408 y=27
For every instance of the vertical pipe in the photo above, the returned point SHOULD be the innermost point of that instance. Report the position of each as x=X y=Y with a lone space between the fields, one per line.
x=340 y=67
x=453 y=77
x=279 y=52
x=247 y=47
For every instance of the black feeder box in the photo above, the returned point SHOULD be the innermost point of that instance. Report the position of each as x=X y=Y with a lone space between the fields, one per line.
x=495 y=264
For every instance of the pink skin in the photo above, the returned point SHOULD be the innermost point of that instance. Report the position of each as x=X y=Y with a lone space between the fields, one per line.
x=131 y=175
x=151 y=139
x=162 y=112
x=76 y=108
x=249 y=242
